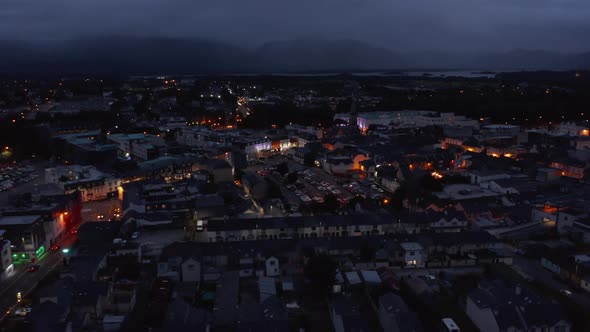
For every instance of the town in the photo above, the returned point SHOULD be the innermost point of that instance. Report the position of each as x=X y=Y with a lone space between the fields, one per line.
x=347 y=202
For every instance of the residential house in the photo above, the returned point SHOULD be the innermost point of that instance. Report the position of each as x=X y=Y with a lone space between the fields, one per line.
x=346 y=316
x=497 y=306
x=395 y=316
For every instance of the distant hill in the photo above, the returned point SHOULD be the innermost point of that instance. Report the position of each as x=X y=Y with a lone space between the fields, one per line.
x=512 y=60
x=124 y=56
x=316 y=55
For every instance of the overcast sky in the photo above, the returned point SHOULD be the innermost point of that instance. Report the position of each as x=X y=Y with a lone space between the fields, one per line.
x=560 y=25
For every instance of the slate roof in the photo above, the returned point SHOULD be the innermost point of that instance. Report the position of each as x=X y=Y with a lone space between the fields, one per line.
x=516 y=306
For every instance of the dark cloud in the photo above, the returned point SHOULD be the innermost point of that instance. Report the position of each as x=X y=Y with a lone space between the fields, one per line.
x=561 y=25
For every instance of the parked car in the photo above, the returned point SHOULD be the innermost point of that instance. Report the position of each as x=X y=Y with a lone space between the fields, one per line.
x=33 y=268
x=22 y=311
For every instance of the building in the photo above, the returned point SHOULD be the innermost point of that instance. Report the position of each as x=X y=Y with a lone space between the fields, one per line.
x=87 y=148
x=272 y=267
x=408 y=119
x=295 y=227
x=139 y=146
x=202 y=137
x=92 y=183
x=574 y=129
x=395 y=316
x=26 y=234
x=497 y=307
x=346 y=316
x=167 y=168
x=6 y=266
x=413 y=254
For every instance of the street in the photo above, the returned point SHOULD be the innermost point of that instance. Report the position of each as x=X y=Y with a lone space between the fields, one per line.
x=24 y=282
x=534 y=269
x=100 y=210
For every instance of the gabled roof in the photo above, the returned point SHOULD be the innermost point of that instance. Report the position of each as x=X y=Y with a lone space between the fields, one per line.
x=181 y=316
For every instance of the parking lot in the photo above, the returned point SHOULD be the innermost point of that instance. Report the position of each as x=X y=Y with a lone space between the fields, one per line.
x=21 y=178
x=313 y=185
x=12 y=176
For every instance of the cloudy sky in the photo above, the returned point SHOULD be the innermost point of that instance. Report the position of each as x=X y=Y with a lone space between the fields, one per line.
x=560 y=25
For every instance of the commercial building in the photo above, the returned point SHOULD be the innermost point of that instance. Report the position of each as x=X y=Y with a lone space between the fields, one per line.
x=92 y=183
x=137 y=146
x=408 y=119
x=26 y=235
x=6 y=266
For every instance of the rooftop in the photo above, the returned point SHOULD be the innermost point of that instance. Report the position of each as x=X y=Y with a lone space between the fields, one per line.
x=18 y=220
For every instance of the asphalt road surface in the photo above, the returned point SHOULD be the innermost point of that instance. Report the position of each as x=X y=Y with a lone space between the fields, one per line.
x=534 y=269
x=24 y=282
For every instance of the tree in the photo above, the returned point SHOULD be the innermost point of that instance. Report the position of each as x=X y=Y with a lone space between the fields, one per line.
x=309 y=159
x=291 y=178
x=238 y=174
x=321 y=272
x=367 y=253
x=357 y=200
x=429 y=183
x=330 y=202
x=283 y=168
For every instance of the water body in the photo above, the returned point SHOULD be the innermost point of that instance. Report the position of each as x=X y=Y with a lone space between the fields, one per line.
x=434 y=74
x=431 y=73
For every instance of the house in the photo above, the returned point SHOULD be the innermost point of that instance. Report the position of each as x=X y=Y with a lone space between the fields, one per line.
x=221 y=170
x=180 y=262
x=413 y=254
x=266 y=287
x=181 y=316
x=346 y=316
x=368 y=168
x=498 y=306
x=338 y=165
x=567 y=219
x=295 y=227
x=120 y=298
x=479 y=177
x=390 y=183
x=461 y=243
x=546 y=174
x=272 y=267
x=448 y=221
x=570 y=168
x=395 y=316
x=191 y=270
x=226 y=299
x=49 y=317
x=255 y=186
x=88 y=300
x=268 y=315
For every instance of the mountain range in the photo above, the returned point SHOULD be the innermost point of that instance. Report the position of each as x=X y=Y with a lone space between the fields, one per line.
x=123 y=56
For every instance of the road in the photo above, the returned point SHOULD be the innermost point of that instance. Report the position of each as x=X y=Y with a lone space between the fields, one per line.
x=534 y=269
x=24 y=282
x=100 y=210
